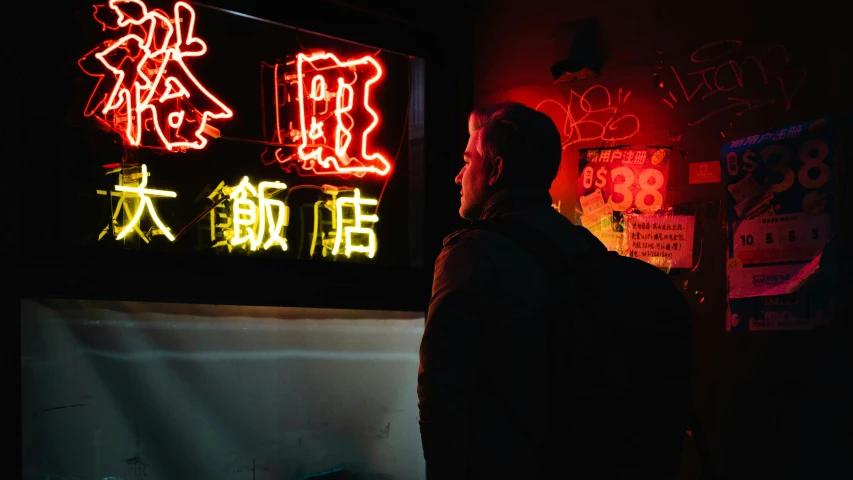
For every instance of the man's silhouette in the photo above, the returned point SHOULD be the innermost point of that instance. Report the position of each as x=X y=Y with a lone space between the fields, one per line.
x=528 y=369
x=482 y=377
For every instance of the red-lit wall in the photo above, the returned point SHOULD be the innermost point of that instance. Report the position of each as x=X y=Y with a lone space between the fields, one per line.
x=751 y=390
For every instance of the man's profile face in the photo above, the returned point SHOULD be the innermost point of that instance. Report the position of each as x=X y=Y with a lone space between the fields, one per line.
x=474 y=179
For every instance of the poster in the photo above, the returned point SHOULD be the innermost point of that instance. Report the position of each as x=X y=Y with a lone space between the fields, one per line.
x=619 y=183
x=780 y=189
x=631 y=178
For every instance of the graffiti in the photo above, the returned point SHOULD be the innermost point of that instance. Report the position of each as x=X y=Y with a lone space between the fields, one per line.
x=720 y=76
x=593 y=115
x=735 y=102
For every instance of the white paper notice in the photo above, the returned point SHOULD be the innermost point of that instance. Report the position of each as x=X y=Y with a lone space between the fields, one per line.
x=662 y=240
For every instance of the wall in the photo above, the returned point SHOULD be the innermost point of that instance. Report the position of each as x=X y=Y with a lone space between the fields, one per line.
x=750 y=390
x=125 y=390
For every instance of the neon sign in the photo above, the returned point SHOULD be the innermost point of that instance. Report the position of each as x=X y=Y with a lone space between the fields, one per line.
x=335 y=114
x=144 y=84
x=143 y=194
x=147 y=93
x=253 y=216
x=346 y=232
x=252 y=219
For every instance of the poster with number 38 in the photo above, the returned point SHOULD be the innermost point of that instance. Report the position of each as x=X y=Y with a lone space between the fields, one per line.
x=630 y=178
x=780 y=202
x=616 y=181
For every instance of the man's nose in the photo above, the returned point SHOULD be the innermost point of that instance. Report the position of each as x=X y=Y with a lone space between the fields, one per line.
x=458 y=178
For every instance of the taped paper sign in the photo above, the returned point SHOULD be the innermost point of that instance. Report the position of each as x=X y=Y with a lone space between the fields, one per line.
x=663 y=241
x=596 y=213
x=597 y=217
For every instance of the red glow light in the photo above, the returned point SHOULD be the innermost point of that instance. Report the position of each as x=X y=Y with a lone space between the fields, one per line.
x=153 y=86
x=324 y=128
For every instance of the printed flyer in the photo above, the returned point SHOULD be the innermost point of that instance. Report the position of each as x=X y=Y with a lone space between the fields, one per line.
x=615 y=182
x=780 y=204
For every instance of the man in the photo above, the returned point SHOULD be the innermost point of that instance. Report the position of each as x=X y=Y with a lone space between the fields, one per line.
x=482 y=381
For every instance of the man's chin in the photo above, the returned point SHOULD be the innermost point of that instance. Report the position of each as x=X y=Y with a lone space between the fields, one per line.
x=467 y=214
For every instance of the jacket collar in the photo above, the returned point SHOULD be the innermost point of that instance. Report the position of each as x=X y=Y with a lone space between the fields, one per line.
x=513 y=199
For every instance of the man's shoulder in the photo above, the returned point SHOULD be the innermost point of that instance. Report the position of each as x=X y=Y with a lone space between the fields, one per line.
x=456 y=236
x=469 y=236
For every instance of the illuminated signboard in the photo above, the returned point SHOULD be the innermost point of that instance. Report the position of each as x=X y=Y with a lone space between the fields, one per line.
x=143 y=77
x=143 y=202
x=197 y=152
x=314 y=97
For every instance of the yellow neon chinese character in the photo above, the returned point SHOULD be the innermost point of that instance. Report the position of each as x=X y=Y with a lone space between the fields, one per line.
x=244 y=214
x=220 y=220
x=356 y=228
x=253 y=220
x=144 y=202
x=274 y=212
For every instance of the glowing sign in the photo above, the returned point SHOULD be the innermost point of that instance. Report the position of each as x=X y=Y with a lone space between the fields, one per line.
x=254 y=215
x=253 y=219
x=144 y=83
x=346 y=233
x=336 y=118
x=144 y=195
x=220 y=219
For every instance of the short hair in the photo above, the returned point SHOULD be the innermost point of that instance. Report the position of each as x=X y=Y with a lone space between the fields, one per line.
x=527 y=140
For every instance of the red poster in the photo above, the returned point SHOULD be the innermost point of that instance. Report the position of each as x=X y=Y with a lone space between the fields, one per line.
x=630 y=178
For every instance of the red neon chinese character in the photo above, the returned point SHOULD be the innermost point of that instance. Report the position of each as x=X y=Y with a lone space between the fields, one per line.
x=153 y=88
x=336 y=117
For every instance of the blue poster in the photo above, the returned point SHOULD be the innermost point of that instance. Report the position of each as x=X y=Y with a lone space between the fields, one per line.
x=781 y=211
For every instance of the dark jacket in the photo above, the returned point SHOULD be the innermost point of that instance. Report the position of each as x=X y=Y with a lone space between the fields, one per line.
x=482 y=379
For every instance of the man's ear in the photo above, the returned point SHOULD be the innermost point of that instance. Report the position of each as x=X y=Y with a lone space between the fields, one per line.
x=497 y=169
